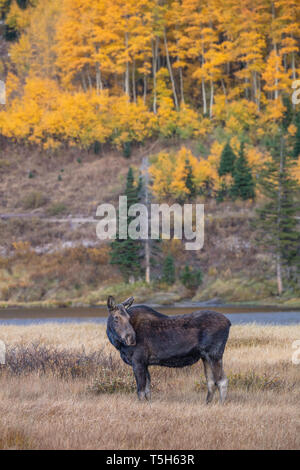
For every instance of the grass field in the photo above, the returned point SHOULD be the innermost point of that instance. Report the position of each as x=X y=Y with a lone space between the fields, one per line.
x=65 y=387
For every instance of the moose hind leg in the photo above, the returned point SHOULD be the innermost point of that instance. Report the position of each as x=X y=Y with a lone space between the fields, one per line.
x=148 y=385
x=211 y=385
x=140 y=373
x=220 y=379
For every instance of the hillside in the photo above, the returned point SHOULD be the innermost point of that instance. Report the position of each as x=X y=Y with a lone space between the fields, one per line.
x=205 y=90
x=46 y=257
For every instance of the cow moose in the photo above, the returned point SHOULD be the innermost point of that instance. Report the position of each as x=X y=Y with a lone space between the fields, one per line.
x=146 y=337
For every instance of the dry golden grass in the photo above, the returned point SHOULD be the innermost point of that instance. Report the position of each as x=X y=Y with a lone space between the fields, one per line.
x=41 y=410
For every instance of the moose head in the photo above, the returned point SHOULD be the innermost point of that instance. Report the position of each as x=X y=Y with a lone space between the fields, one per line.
x=121 y=320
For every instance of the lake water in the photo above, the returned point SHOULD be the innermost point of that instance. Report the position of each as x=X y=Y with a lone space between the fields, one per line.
x=237 y=315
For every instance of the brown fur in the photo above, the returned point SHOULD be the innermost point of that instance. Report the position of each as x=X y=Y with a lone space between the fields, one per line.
x=173 y=341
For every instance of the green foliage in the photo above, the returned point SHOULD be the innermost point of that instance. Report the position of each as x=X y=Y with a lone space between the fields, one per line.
x=126 y=253
x=11 y=31
x=227 y=161
x=276 y=221
x=56 y=208
x=189 y=182
x=243 y=184
x=191 y=278
x=222 y=192
x=127 y=149
x=287 y=117
x=168 y=270
x=202 y=149
x=296 y=150
x=97 y=147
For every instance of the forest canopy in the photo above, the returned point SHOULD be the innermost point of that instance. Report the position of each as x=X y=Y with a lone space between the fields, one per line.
x=86 y=71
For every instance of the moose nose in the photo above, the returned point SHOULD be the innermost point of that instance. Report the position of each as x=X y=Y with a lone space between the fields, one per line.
x=129 y=340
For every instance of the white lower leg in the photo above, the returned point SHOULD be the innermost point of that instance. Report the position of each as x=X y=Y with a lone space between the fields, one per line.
x=222 y=386
x=148 y=390
x=211 y=390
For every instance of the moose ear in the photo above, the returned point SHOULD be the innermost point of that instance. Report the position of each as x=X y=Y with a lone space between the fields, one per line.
x=128 y=302
x=111 y=303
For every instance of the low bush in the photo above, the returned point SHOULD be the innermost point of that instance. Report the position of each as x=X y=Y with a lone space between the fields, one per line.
x=34 y=200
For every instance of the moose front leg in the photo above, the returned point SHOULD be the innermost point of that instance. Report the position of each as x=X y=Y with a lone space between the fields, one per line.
x=141 y=376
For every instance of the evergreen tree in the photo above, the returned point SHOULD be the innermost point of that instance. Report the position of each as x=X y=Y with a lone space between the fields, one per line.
x=243 y=184
x=276 y=222
x=191 y=278
x=189 y=182
x=127 y=149
x=126 y=253
x=289 y=233
x=288 y=114
x=227 y=161
x=206 y=188
x=296 y=152
x=222 y=192
x=169 y=270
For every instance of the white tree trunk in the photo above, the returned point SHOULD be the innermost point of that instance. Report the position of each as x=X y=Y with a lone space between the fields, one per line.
x=99 y=84
x=126 y=80
x=145 y=88
x=181 y=85
x=204 y=97
x=224 y=89
x=276 y=93
x=170 y=70
x=154 y=70
x=83 y=81
x=279 y=198
x=211 y=99
x=145 y=166
x=258 y=93
x=89 y=80
x=133 y=82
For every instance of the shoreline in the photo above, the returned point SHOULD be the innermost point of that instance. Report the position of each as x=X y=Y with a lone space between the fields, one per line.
x=54 y=312
x=7 y=306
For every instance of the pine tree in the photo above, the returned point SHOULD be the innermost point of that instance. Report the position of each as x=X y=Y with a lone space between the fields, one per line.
x=169 y=270
x=288 y=114
x=290 y=236
x=276 y=222
x=189 y=182
x=126 y=253
x=243 y=184
x=222 y=192
x=227 y=161
x=296 y=152
x=191 y=278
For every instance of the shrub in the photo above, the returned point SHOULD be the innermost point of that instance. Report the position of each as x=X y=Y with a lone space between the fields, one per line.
x=127 y=149
x=22 y=360
x=191 y=278
x=169 y=270
x=34 y=200
x=111 y=382
x=57 y=208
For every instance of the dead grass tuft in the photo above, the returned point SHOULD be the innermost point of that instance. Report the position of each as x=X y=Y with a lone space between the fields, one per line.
x=38 y=358
x=109 y=382
x=14 y=439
